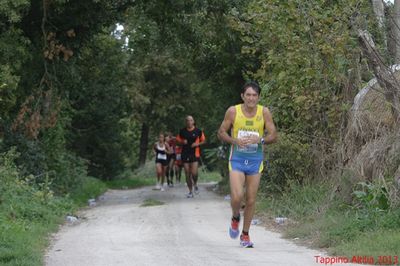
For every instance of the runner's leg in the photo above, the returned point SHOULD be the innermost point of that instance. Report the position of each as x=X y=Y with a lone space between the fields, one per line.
x=167 y=174
x=252 y=183
x=176 y=173
x=179 y=173
x=236 y=181
x=186 y=166
x=171 y=170
x=167 y=170
x=194 y=167
x=159 y=173
x=163 y=169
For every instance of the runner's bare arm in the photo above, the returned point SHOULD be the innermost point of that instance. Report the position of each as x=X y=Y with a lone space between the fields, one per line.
x=202 y=139
x=226 y=125
x=168 y=148
x=272 y=134
x=181 y=140
x=201 y=142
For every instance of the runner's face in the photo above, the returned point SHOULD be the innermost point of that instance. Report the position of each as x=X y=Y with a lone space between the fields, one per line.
x=189 y=122
x=161 y=137
x=250 y=97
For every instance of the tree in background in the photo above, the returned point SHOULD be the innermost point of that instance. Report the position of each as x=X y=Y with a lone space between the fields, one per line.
x=40 y=98
x=184 y=60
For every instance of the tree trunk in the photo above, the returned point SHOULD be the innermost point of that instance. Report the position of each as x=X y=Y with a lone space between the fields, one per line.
x=384 y=75
x=144 y=142
x=379 y=10
x=396 y=30
x=391 y=28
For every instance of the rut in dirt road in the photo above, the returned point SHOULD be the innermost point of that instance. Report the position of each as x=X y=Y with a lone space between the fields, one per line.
x=181 y=231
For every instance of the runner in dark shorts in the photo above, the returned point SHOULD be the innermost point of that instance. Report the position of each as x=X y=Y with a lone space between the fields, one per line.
x=191 y=138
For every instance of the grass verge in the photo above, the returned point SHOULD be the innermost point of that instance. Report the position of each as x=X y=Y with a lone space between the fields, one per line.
x=322 y=219
x=207 y=177
x=28 y=216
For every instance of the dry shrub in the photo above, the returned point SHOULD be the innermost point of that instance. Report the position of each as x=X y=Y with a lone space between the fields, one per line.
x=369 y=117
x=371 y=144
x=38 y=112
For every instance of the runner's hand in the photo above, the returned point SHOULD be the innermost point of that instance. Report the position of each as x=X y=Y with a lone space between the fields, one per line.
x=194 y=145
x=185 y=141
x=242 y=142
x=253 y=139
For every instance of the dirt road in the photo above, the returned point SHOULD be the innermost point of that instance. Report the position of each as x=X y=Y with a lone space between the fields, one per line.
x=118 y=231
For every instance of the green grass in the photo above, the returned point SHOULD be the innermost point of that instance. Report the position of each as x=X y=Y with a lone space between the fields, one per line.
x=23 y=244
x=321 y=219
x=91 y=188
x=379 y=243
x=28 y=216
x=146 y=171
x=23 y=239
x=151 y=202
x=207 y=177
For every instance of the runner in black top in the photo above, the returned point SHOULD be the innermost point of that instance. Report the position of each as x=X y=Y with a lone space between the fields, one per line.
x=191 y=138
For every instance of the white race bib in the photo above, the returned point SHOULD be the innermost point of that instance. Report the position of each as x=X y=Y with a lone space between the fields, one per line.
x=161 y=156
x=251 y=148
x=178 y=157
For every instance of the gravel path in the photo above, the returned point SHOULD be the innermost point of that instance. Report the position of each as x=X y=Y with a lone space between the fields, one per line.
x=119 y=231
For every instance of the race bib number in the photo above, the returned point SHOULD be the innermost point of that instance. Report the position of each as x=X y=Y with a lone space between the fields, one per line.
x=178 y=157
x=161 y=156
x=251 y=148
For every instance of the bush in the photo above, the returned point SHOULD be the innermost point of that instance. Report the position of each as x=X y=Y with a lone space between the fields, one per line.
x=299 y=201
x=89 y=188
x=28 y=212
x=46 y=160
x=320 y=216
x=287 y=160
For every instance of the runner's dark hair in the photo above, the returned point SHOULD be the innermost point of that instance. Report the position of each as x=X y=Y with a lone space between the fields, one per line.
x=251 y=84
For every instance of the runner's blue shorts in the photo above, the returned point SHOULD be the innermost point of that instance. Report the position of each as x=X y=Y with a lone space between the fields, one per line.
x=248 y=167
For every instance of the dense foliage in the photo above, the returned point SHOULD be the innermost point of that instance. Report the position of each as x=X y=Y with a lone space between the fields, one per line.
x=86 y=86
